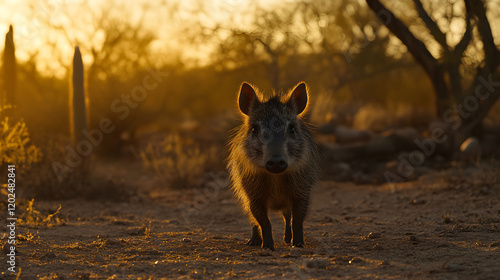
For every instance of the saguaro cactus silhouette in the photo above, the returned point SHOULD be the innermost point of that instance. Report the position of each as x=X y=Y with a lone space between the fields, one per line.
x=9 y=69
x=78 y=104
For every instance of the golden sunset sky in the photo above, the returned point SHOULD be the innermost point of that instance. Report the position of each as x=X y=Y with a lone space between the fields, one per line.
x=50 y=29
x=66 y=23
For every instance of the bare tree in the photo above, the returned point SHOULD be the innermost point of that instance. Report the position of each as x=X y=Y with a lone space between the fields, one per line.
x=479 y=96
x=272 y=37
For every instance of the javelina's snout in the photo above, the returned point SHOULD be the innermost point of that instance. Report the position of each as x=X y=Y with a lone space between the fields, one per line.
x=276 y=164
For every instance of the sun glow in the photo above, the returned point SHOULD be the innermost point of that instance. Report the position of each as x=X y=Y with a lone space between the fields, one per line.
x=47 y=31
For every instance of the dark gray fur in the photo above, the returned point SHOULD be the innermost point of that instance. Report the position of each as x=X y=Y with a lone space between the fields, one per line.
x=267 y=132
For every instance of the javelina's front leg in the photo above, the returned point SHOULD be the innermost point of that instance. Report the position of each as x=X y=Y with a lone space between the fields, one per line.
x=299 y=210
x=259 y=212
x=287 y=216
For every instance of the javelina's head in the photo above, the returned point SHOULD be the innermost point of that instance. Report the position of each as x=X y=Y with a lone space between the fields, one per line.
x=275 y=135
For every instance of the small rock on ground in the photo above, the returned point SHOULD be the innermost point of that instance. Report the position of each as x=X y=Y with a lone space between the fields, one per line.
x=317 y=263
x=48 y=256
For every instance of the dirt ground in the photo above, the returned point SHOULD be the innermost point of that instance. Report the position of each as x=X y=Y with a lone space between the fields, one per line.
x=446 y=225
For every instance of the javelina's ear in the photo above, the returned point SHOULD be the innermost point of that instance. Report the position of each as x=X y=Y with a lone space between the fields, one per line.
x=247 y=97
x=299 y=97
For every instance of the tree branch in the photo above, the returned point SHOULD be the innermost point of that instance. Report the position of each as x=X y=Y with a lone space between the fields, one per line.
x=491 y=52
x=464 y=42
x=438 y=35
x=419 y=51
x=453 y=58
x=416 y=47
x=467 y=37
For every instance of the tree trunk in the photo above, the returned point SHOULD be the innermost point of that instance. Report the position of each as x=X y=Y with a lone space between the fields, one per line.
x=473 y=106
x=442 y=94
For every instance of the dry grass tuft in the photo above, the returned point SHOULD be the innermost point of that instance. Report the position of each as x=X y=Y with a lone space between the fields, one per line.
x=177 y=161
x=32 y=217
x=15 y=145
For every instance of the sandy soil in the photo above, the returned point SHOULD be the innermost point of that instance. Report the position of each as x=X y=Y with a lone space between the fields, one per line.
x=444 y=226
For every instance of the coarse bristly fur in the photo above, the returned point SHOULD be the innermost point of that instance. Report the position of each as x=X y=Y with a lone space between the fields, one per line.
x=274 y=162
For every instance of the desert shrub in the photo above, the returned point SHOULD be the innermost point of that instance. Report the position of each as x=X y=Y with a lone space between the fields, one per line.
x=43 y=182
x=372 y=117
x=15 y=145
x=379 y=118
x=16 y=149
x=179 y=162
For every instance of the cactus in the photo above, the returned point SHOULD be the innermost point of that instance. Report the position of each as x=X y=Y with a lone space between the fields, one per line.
x=9 y=69
x=78 y=104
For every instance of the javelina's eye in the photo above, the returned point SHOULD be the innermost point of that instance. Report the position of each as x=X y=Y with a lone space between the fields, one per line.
x=291 y=129
x=255 y=129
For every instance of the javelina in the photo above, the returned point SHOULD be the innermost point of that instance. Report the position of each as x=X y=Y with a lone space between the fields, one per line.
x=273 y=162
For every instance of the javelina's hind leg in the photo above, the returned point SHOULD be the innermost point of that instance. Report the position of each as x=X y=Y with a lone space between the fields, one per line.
x=287 y=217
x=255 y=239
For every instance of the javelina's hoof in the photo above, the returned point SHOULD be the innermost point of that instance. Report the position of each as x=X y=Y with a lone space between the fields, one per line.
x=298 y=244
x=254 y=242
x=287 y=239
x=268 y=246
